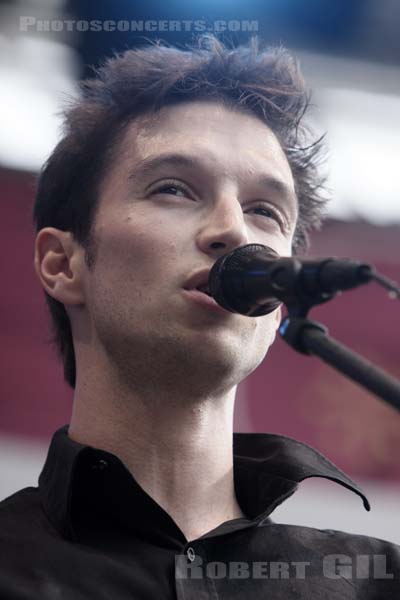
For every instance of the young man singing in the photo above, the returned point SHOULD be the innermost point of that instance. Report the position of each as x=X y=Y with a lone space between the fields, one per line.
x=171 y=159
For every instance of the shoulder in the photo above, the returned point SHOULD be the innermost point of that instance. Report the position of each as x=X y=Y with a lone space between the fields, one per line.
x=18 y=503
x=22 y=516
x=353 y=544
x=336 y=542
x=30 y=546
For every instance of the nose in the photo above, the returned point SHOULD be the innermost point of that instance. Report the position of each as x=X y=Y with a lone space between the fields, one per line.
x=224 y=229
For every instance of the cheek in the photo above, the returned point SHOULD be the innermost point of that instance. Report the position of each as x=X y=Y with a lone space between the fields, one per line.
x=284 y=248
x=138 y=249
x=280 y=244
x=272 y=237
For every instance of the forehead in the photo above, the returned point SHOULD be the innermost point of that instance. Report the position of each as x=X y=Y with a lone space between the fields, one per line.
x=228 y=140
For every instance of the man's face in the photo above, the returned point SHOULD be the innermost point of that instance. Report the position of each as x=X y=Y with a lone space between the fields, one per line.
x=160 y=220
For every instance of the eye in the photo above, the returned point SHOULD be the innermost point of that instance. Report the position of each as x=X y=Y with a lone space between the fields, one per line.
x=269 y=213
x=172 y=187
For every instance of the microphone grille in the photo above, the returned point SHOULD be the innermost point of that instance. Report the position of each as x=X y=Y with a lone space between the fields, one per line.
x=237 y=258
x=225 y=280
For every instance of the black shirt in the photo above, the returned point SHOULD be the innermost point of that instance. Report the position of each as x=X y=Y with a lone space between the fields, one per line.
x=90 y=531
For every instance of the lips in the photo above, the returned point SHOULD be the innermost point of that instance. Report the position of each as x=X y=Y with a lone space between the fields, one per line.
x=197 y=286
x=199 y=281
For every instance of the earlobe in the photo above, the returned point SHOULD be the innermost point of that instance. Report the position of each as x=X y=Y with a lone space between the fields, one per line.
x=57 y=264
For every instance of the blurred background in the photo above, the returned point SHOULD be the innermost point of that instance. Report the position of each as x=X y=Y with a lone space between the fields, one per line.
x=350 y=54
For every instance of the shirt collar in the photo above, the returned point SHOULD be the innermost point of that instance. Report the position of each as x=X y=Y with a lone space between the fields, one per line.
x=278 y=464
x=267 y=470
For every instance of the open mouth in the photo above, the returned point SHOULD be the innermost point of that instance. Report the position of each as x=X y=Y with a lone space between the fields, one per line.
x=204 y=289
x=202 y=295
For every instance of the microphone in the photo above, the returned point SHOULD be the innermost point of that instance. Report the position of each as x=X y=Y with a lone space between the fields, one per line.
x=254 y=280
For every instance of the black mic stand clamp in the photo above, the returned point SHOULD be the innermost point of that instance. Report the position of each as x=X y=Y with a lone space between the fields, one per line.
x=310 y=337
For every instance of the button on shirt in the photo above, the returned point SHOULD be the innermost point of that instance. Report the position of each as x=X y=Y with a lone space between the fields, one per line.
x=89 y=531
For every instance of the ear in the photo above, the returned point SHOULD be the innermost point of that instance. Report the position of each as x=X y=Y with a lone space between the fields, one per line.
x=59 y=264
x=278 y=316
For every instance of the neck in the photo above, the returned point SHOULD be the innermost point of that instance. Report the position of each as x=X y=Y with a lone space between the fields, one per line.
x=178 y=449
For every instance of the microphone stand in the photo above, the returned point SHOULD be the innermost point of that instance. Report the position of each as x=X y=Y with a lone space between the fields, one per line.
x=310 y=337
x=300 y=286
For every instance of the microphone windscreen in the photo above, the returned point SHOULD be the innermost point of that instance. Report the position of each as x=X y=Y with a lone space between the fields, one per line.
x=230 y=277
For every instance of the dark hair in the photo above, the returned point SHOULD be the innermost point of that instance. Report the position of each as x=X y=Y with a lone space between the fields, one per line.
x=268 y=83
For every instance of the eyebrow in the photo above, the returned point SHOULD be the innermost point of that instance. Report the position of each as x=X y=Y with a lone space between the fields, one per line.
x=149 y=165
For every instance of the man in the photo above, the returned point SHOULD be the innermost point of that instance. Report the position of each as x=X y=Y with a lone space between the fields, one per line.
x=170 y=160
